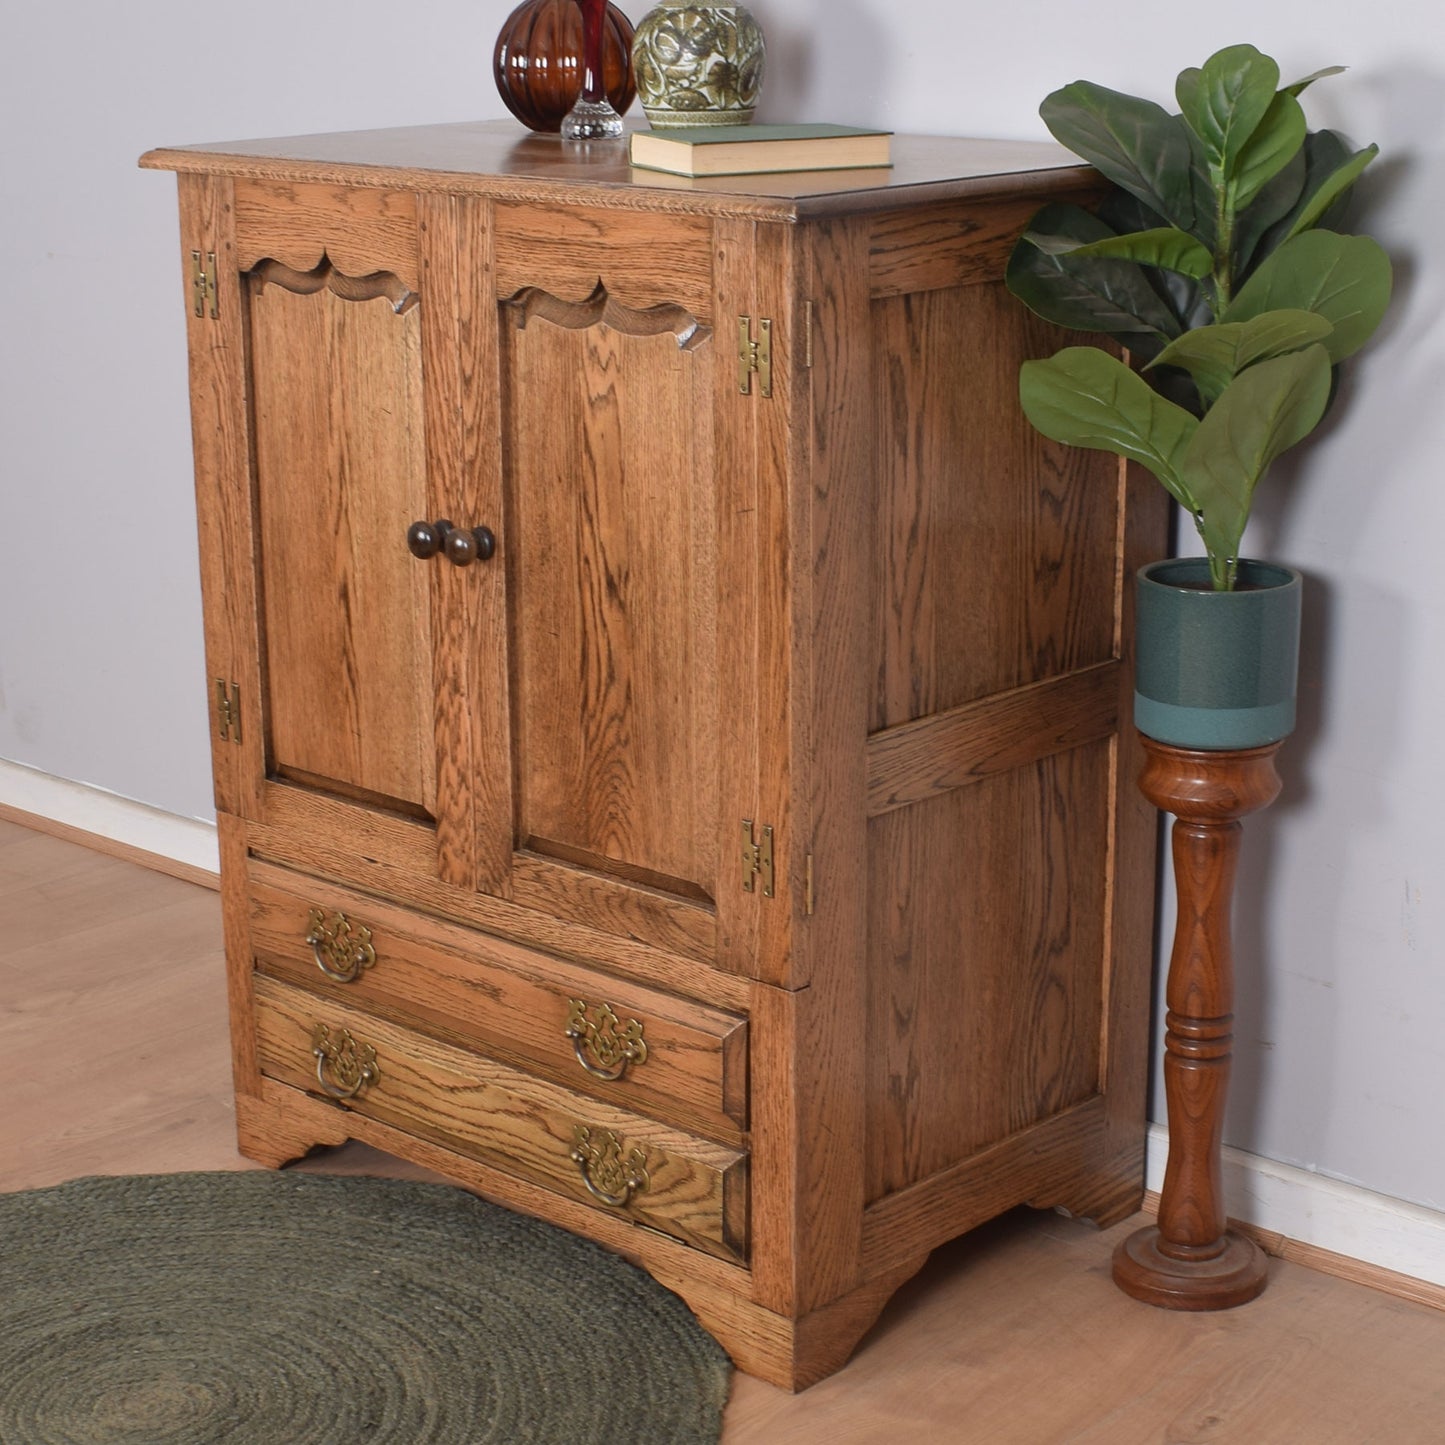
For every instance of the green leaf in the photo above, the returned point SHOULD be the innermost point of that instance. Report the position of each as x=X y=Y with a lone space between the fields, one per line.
x=1201 y=187
x=1133 y=142
x=1277 y=198
x=1087 y=398
x=1323 y=153
x=1263 y=412
x=1330 y=189
x=1273 y=145
x=1086 y=295
x=1345 y=279
x=1299 y=86
x=1225 y=101
x=1166 y=246
x=1215 y=355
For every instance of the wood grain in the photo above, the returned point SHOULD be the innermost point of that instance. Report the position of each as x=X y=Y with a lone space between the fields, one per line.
x=336 y=392
x=495 y=158
x=986 y=945
x=225 y=520
x=470 y=662
x=610 y=508
x=639 y=260
x=1191 y=1261
x=359 y=229
x=993 y=542
x=696 y=1190
x=378 y=870
x=915 y=761
x=952 y=243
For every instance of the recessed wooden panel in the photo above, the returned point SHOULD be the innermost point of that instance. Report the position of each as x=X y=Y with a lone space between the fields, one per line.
x=995 y=562
x=341 y=474
x=986 y=951
x=610 y=505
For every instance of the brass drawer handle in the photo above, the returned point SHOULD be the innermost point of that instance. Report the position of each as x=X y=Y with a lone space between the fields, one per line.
x=352 y=1063
x=341 y=951
x=603 y=1035
x=607 y=1174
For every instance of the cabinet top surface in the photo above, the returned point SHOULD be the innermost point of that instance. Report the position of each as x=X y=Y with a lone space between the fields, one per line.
x=502 y=158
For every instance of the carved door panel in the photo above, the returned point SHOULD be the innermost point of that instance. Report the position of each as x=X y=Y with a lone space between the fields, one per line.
x=318 y=360
x=625 y=446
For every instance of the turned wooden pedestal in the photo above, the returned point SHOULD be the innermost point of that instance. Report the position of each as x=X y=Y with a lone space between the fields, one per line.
x=1190 y=1260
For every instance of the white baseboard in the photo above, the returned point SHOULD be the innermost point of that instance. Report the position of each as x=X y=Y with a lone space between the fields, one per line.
x=188 y=841
x=1325 y=1213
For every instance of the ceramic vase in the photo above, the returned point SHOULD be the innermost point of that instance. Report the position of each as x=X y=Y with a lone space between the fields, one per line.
x=1216 y=670
x=698 y=64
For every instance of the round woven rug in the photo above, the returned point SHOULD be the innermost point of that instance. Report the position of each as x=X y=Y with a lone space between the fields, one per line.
x=301 y=1309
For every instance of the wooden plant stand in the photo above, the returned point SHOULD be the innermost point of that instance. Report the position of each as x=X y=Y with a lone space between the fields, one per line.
x=1190 y=1260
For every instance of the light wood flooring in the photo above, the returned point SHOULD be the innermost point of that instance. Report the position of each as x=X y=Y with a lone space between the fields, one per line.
x=113 y=1060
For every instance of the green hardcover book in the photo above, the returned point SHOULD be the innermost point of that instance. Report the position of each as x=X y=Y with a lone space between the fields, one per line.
x=740 y=150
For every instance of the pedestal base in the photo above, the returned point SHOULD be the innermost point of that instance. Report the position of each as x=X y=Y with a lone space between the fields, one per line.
x=1233 y=1277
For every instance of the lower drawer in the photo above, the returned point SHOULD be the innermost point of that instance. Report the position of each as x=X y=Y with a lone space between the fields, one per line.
x=671 y=1181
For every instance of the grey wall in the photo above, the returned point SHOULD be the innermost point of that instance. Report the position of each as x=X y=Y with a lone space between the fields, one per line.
x=1341 y=1053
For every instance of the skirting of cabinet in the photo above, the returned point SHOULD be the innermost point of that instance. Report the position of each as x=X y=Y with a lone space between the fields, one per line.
x=282 y=1123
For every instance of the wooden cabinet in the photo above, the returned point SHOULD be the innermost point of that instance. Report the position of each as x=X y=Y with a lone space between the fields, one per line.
x=722 y=841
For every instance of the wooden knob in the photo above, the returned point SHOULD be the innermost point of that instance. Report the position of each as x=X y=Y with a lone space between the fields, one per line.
x=465 y=546
x=426 y=539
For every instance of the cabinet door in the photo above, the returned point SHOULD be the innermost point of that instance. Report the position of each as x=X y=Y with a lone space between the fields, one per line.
x=580 y=723
x=313 y=342
x=630 y=472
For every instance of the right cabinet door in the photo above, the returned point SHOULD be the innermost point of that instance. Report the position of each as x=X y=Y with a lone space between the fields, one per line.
x=628 y=475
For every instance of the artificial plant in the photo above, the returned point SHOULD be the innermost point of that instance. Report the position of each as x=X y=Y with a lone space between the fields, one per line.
x=1210 y=264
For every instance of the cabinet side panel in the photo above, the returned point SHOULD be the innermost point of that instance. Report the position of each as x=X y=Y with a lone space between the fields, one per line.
x=986 y=910
x=996 y=546
x=607 y=442
x=341 y=474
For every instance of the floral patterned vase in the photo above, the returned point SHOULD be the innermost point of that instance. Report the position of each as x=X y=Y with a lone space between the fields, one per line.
x=698 y=64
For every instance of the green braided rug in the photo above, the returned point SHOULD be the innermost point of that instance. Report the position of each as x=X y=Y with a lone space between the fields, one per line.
x=302 y=1309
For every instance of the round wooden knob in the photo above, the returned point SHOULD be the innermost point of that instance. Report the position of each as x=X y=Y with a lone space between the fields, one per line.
x=426 y=539
x=465 y=546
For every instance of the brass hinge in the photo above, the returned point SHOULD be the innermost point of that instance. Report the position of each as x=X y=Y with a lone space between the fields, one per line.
x=808 y=334
x=203 y=284
x=757 y=858
x=228 y=710
x=755 y=356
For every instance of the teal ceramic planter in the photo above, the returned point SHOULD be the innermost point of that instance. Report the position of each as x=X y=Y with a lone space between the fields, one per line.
x=1216 y=670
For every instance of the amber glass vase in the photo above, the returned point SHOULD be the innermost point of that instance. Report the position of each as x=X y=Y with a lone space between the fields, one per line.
x=539 y=65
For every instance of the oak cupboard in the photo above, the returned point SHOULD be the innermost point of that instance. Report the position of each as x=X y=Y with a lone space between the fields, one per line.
x=668 y=706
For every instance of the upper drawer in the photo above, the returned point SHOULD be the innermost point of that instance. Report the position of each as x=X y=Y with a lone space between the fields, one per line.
x=627 y=1044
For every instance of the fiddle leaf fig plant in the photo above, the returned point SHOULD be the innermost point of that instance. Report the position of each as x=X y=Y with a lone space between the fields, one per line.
x=1211 y=265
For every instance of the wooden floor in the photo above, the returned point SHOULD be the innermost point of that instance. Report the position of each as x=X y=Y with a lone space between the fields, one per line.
x=113 y=1060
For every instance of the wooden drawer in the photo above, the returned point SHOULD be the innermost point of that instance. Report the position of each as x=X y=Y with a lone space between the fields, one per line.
x=691 y=1188
x=687 y=1063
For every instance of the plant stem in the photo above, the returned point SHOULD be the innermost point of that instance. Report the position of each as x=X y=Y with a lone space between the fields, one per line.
x=1223 y=246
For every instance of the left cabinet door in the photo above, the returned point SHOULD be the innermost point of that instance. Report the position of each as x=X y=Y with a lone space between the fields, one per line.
x=315 y=348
